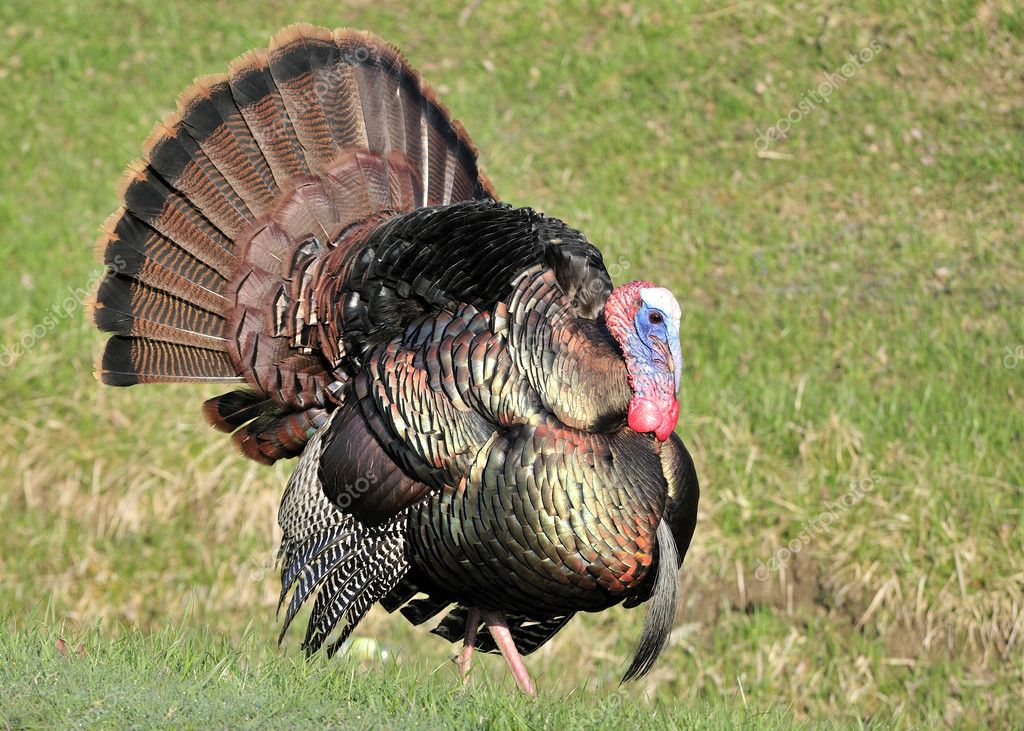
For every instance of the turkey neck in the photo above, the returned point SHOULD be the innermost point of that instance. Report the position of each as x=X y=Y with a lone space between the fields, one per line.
x=607 y=378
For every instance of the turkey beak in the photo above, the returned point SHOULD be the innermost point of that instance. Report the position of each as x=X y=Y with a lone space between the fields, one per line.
x=677 y=359
x=668 y=353
x=664 y=352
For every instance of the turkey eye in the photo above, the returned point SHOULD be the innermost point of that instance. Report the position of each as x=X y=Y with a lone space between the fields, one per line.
x=655 y=318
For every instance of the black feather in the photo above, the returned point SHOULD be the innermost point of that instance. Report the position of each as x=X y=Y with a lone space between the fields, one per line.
x=117 y=368
x=231 y=410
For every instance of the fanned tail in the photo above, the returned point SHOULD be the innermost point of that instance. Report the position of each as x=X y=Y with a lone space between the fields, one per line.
x=239 y=194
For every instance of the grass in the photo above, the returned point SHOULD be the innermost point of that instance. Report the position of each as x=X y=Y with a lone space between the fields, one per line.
x=193 y=680
x=852 y=331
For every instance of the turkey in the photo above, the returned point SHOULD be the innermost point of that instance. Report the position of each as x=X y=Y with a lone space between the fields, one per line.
x=484 y=425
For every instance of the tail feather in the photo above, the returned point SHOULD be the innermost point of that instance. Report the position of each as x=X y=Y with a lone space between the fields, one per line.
x=133 y=250
x=168 y=212
x=262 y=106
x=376 y=89
x=401 y=182
x=210 y=117
x=131 y=307
x=127 y=361
x=440 y=168
x=231 y=410
x=335 y=69
x=291 y=65
x=181 y=162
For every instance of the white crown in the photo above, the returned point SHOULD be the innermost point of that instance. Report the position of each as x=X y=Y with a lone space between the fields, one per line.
x=661 y=299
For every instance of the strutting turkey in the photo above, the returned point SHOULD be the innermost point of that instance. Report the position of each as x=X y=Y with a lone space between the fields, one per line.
x=484 y=425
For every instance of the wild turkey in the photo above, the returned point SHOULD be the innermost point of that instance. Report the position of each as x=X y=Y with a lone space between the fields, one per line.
x=485 y=425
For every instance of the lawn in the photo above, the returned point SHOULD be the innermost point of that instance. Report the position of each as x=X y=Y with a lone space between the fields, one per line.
x=185 y=679
x=834 y=191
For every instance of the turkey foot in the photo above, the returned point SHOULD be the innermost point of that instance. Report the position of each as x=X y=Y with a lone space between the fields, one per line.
x=465 y=660
x=498 y=628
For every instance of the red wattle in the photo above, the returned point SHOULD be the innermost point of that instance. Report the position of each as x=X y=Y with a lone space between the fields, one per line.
x=646 y=415
x=668 y=423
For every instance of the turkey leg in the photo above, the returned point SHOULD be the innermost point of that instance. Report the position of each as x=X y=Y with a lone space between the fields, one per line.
x=498 y=628
x=465 y=660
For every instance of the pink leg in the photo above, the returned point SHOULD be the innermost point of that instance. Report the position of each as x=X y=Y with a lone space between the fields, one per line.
x=498 y=628
x=469 y=644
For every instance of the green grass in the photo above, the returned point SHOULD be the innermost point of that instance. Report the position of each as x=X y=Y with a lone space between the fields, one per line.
x=852 y=316
x=183 y=680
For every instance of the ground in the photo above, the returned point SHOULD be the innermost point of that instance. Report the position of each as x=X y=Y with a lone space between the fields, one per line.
x=832 y=191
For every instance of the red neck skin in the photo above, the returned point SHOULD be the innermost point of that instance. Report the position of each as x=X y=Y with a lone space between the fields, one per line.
x=658 y=413
x=654 y=407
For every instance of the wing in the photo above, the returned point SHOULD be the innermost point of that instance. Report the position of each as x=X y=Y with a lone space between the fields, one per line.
x=329 y=553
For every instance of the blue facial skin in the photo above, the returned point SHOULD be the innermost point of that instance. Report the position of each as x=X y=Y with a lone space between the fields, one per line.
x=658 y=333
